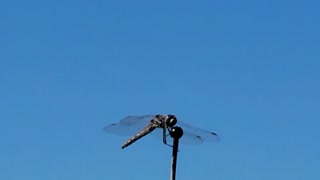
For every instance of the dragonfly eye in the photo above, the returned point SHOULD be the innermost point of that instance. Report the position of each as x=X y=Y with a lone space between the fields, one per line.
x=171 y=120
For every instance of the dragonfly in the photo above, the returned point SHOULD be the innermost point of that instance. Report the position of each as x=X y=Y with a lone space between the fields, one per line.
x=159 y=125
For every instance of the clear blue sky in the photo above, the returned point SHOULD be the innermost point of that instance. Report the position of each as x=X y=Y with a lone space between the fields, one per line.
x=248 y=70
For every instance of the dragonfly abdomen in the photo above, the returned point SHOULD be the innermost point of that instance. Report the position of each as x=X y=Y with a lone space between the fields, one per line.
x=139 y=135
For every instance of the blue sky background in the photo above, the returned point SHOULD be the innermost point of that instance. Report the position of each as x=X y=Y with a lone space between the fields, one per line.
x=248 y=70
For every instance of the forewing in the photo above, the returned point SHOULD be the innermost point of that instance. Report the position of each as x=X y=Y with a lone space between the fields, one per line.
x=129 y=125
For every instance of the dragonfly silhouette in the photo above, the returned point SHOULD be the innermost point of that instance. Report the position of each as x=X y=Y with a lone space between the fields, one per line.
x=159 y=124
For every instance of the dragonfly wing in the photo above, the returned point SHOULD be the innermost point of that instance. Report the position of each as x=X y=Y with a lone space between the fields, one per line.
x=190 y=139
x=131 y=120
x=187 y=138
x=129 y=125
x=202 y=134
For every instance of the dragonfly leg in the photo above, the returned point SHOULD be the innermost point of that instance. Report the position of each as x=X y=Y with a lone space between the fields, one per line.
x=165 y=137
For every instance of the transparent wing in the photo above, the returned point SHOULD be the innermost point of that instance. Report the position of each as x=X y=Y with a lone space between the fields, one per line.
x=129 y=125
x=187 y=138
x=202 y=134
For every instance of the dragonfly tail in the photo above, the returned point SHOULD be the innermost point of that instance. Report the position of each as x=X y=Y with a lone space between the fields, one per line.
x=139 y=135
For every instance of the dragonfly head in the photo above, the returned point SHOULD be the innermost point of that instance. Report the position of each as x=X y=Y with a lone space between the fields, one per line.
x=171 y=120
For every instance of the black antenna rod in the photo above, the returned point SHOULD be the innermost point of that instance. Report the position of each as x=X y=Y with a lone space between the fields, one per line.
x=176 y=133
